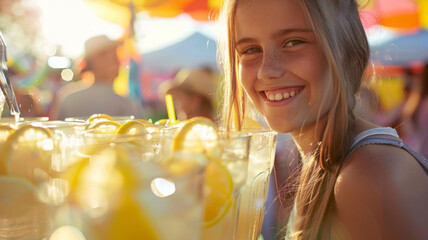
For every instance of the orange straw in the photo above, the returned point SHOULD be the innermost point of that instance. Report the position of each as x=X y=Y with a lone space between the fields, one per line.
x=170 y=108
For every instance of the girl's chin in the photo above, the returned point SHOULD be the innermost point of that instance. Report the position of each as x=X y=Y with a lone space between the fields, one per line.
x=279 y=126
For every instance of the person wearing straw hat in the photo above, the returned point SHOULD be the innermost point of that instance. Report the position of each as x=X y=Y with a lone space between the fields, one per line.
x=193 y=92
x=100 y=59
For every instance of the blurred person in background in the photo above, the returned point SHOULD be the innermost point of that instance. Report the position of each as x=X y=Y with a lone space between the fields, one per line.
x=402 y=118
x=102 y=61
x=420 y=116
x=193 y=92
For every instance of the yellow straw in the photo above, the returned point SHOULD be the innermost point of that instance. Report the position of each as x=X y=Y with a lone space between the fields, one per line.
x=170 y=108
x=236 y=122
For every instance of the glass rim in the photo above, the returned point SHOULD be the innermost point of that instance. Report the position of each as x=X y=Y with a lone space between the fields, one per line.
x=24 y=119
x=58 y=124
x=115 y=118
x=252 y=131
x=222 y=136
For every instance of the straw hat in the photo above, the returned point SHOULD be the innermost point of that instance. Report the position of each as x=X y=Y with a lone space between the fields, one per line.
x=92 y=46
x=98 y=43
x=198 y=81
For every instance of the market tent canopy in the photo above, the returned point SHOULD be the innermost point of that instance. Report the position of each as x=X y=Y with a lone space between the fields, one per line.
x=197 y=50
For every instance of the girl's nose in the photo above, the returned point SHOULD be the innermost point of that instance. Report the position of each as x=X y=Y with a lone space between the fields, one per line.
x=273 y=64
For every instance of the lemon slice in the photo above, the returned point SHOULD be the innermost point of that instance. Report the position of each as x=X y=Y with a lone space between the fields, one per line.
x=145 y=122
x=200 y=135
x=26 y=152
x=250 y=123
x=218 y=188
x=162 y=122
x=104 y=127
x=5 y=132
x=99 y=117
x=130 y=221
x=133 y=127
x=197 y=135
x=110 y=176
x=167 y=122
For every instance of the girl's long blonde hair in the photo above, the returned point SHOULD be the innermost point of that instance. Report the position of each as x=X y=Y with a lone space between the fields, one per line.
x=339 y=31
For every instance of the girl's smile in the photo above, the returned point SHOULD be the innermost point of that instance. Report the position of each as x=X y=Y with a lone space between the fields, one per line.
x=281 y=96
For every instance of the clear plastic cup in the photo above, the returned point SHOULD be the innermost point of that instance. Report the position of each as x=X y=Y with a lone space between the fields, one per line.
x=254 y=194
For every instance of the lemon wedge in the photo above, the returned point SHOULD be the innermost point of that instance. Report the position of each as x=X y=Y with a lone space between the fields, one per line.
x=104 y=127
x=99 y=117
x=132 y=127
x=26 y=152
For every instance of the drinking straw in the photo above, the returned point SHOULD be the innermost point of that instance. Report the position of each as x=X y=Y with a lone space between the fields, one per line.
x=170 y=108
x=236 y=122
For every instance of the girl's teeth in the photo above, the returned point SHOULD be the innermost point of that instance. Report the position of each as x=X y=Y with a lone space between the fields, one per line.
x=286 y=95
x=279 y=96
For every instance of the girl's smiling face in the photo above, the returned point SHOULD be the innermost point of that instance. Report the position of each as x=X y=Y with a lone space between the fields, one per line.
x=281 y=64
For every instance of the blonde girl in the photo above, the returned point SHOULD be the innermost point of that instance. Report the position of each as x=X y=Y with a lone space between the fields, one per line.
x=300 y=63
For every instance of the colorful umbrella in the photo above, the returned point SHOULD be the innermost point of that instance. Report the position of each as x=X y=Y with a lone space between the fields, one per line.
x=121 y=11
x=201 y=10
x=400 y=15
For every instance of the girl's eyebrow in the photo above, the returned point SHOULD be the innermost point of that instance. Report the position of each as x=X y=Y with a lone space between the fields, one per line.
x=276 y=34
x=291 y=30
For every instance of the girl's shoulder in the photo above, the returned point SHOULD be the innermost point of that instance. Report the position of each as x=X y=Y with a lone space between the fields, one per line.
x=378 y=156
x=380 y=162
x=377 y=179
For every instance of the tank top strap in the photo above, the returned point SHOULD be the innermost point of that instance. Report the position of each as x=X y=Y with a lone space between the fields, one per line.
x=374 y=131
x=372 y=137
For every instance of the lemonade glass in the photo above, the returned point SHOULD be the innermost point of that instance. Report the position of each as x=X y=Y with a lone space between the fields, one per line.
x=67 y=138
x=254 y=194
x=25 y=168
x=235 y=157
x=224 y=177
x=118 y=191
